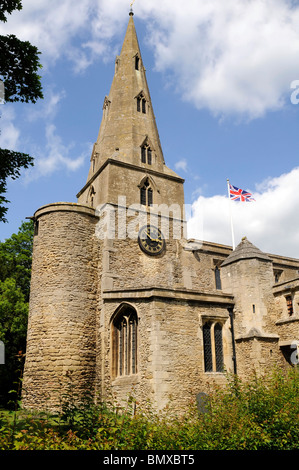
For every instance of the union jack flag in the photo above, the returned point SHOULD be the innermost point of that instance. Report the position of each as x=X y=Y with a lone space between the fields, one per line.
x=239 y=195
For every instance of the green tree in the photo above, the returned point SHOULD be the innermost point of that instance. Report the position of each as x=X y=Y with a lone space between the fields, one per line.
x=19 y=67
x=15 y=258
x=8 y=6
x=15 y=272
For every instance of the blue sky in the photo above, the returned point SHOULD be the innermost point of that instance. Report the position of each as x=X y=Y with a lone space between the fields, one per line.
x=220 y=76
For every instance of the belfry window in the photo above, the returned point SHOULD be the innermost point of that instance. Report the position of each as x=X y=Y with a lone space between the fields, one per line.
x=213 y=347
x=149 y=197
x=124 y=343
x=146 y=194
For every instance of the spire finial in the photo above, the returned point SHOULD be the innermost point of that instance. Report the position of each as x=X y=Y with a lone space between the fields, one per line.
x=131 y=8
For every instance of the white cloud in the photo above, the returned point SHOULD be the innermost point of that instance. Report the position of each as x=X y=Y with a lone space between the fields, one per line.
x=77 y=31
x=232 y=57
x=47 y=108
x=9 y=136
x=55 y=157
x=181 y=165
x=271 y=223
x=235 y=57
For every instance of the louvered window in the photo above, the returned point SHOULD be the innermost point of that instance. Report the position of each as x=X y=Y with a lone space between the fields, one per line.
x=143 y=192
x=146 y=194
x=149 y=197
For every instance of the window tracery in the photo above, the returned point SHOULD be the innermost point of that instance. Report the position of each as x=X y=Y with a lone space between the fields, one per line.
x=124 y=342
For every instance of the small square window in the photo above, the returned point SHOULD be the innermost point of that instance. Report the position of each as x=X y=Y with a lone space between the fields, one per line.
x=289 y=305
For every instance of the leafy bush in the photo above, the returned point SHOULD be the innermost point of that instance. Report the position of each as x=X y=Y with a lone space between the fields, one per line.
x=261 y=414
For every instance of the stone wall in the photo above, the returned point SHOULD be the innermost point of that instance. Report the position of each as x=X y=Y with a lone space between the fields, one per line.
x=170 y=364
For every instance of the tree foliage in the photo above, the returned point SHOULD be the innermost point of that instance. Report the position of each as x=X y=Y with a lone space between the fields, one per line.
x=15 y=273
x=16 y=256
x=18 y=70
x=10 y=165
x=8 y=6
x=19 y=67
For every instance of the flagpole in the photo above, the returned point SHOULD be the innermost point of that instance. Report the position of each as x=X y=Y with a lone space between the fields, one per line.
x=231 y=215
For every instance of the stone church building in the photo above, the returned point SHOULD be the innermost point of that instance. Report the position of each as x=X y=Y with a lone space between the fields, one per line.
x=121 y=302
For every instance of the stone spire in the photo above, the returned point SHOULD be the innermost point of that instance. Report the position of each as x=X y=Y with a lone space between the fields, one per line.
x=123 y=127
x=128 y=134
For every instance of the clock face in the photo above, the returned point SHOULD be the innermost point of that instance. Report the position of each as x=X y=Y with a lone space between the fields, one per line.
x=151 y=240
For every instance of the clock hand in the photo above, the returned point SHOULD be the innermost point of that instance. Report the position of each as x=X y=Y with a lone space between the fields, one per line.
x=152 y=239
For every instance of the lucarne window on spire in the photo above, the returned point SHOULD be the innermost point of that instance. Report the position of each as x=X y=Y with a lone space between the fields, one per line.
x=137 y=61
x=141 y=103
x=146 y=154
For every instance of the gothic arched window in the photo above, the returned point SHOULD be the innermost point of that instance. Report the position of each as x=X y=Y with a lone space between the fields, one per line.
x=218 y=347
x=213 y=347
x=146 y=194
x=207 y=347
x=124 y=342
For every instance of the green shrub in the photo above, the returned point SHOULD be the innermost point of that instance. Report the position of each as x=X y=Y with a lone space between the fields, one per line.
x=261 y=414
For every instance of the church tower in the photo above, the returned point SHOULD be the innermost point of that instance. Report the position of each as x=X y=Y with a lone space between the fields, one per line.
x=96 y=295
